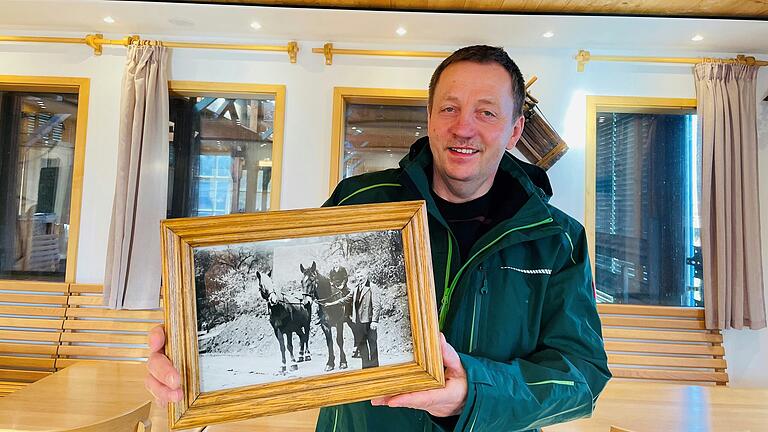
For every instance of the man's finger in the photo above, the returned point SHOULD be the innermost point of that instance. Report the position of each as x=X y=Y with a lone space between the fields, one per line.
x=161 y=369
x=419 y=400
x=162 y=394
x=156 y=339
x=381 y=400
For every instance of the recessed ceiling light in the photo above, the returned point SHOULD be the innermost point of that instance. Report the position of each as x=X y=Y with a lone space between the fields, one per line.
x=697 y=38
x=548 y=34
x=255 y=25
x=109 y=20
x=401 y=31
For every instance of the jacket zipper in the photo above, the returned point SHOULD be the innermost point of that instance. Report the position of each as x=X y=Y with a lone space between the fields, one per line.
x=477 y=307
x=448 y=290
x=444 y=300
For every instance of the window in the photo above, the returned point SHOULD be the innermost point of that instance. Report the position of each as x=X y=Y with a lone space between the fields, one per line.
x=42 y=145
x=225 y=148
x=374 y=128
x=645 y=169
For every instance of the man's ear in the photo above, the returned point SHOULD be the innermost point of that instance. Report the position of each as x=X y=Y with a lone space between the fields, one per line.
x=517 y=132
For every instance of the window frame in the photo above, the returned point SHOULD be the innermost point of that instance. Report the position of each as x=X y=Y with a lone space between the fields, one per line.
x=81 y=87
x=618 y=104
x=363 y=95
x=241 y=90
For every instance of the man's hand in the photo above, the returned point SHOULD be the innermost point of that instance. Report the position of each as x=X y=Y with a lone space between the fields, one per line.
x=163 y=380
x=374 y=325
x=442 y=402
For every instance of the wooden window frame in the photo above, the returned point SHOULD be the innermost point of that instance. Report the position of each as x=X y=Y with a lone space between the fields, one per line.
x=238 y=90
x=622 y=104
x=81 y=87
x=362 y=95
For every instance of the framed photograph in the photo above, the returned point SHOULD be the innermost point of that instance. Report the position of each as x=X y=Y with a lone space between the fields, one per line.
x=283 y=311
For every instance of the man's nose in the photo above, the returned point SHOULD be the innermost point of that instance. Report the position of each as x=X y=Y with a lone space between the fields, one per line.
x=463 y=125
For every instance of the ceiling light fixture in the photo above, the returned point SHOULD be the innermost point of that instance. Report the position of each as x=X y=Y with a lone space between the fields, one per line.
x=697 y=38
x=548 y=34
x=255 y=25
x=109 y=20
x=401 y=31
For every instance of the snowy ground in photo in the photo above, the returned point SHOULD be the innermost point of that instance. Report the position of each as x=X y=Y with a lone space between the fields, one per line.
x=226 y=371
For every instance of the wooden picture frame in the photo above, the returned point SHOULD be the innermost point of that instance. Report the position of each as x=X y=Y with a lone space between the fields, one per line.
x=181 y=238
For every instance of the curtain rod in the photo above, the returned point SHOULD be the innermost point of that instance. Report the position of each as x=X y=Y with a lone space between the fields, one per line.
x=97 y=41
x=583 y=57
x=329 y=51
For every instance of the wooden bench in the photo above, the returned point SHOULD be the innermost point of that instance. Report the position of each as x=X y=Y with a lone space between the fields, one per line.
x=45 y=327
x=663 y=344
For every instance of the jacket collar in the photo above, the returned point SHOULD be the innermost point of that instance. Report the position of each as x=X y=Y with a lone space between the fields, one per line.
x=416 y=170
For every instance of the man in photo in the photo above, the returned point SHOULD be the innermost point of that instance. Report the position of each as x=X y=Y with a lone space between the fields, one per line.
x=365 y=302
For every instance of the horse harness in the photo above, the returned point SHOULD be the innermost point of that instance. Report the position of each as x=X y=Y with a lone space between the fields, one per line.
x=324 y=301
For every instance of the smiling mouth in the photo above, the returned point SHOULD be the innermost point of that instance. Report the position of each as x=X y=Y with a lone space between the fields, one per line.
x=463 y=150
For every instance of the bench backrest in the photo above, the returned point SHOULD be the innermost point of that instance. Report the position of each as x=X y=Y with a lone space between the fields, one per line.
x=662 y=343
x=45 y=327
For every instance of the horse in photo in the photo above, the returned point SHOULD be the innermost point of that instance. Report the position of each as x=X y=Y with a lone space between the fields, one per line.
x=286 y=318
x=321 y=290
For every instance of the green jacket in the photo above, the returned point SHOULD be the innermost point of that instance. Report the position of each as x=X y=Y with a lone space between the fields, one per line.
x=520 y=312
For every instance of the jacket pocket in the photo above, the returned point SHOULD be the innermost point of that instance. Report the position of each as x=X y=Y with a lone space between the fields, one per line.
x=506 y=315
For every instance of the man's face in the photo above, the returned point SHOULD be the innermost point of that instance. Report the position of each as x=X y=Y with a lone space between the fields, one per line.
x=471 y=123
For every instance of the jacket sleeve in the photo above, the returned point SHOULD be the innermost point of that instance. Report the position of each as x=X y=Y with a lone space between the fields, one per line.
x=561 y=380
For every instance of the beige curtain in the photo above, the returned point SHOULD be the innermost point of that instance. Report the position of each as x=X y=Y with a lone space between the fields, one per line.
x=132 y=274
x=730 y=231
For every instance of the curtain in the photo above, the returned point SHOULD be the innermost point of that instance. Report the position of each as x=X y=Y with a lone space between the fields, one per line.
x=133 y=266
x=730 y=226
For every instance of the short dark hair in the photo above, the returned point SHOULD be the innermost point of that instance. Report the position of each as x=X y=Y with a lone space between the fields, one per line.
x=484 y=54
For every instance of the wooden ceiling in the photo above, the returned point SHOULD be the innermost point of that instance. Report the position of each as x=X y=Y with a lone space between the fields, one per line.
x=753 y=9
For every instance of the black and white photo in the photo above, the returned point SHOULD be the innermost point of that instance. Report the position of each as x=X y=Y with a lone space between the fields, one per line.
x=282 y=309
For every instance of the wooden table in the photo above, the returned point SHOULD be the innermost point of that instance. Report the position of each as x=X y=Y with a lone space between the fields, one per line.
x=80 y=395
x=652 y=407
x=633 y=405
x=87 y=393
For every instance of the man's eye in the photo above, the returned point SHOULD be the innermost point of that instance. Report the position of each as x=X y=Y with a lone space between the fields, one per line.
x=488 y=114
x=449 y=109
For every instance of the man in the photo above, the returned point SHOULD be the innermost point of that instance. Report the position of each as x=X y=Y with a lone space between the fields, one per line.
x=339 y=278
x=522 y=346
x=365 y=305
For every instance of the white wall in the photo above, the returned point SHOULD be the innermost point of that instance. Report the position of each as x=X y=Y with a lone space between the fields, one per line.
x=561 y=90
